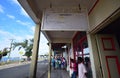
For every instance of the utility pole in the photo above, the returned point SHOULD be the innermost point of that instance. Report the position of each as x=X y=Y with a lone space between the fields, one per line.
x=11 y=43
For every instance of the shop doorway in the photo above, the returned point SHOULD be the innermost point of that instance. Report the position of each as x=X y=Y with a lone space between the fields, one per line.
x=81 y=49
x=109 y=53
x=108 y=42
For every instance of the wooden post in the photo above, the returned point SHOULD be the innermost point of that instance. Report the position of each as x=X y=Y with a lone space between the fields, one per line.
x=49 y=67
x=33 y=66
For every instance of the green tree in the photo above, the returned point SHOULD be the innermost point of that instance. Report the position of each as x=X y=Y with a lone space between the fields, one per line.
x=27 y=45
x=4 y=52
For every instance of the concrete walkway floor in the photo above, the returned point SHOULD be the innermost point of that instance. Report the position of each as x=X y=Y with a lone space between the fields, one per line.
x=58 y=73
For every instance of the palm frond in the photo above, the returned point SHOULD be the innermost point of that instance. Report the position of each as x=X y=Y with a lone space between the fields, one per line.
x=27 y=45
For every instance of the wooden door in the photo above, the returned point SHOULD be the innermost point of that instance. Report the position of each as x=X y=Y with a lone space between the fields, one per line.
x=109 y=53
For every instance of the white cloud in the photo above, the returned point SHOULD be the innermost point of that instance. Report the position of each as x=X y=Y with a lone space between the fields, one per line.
x=5 y=42
x=29 y=36
x=24 y=23
x=22 y=11
x=15 y=2
x=1 y=9
x=11 y=16
x=43 y=38
x=43 y=48
x=7 y=36
x=33 y=29
x=5 y=39
x=28 y=24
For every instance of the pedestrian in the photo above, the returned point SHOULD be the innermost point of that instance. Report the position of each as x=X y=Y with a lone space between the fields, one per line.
x=56 y=63
x=71 y=67
x=62 y=62
x=74 y=67
x=82 y=72
x=59 y=62
x=53 y=62
x=88 y=67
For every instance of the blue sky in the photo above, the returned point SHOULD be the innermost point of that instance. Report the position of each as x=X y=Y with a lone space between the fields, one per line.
x=16 y=24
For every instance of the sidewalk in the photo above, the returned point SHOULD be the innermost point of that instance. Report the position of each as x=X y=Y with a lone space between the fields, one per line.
x=58 y=73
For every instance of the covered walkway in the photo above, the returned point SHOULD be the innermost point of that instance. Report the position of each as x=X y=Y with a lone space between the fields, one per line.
x=62 y=20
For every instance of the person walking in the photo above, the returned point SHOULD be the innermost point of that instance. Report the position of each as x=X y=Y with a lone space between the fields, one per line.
x=88 y=67
x=74 y=67
x=82 y=72
x=53 y=62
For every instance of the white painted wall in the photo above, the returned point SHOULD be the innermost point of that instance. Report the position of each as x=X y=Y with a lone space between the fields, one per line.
x=102 y=10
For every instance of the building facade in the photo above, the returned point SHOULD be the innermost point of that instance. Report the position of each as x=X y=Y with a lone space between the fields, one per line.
x=81 y=25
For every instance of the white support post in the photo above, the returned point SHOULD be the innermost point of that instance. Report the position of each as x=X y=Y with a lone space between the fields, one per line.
x=94 y=57
x=33 y=66
x=49 y=67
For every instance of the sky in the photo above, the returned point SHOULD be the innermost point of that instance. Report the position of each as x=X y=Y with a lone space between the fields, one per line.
x=16 y=24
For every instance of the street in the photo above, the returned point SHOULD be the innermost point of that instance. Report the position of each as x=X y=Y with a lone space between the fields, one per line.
x=23 y=71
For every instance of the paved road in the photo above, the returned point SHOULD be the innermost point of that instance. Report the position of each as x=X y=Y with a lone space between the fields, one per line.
x=23 y=71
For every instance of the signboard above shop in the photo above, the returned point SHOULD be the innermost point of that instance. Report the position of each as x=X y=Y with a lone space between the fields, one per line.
x=64 y=21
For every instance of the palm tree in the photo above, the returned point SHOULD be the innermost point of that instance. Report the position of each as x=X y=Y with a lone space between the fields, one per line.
x=27 y=45
x=4 y=52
